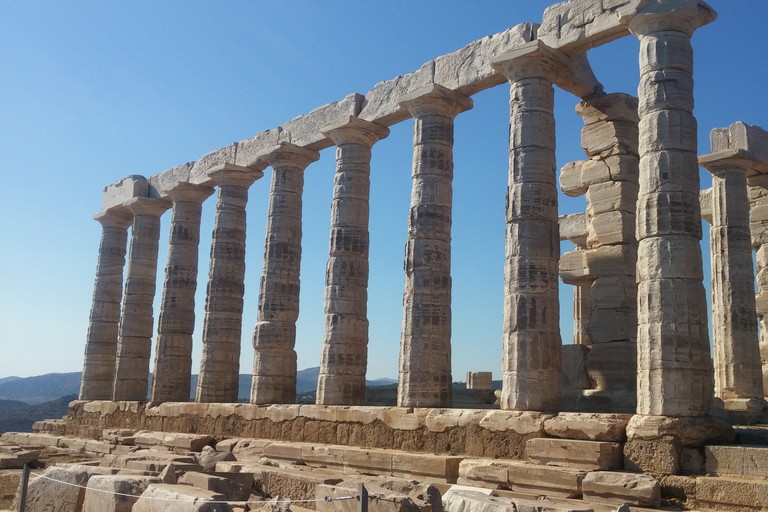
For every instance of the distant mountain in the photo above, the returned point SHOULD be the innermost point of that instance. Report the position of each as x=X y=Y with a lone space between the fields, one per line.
x=43 y=388
x=8 y=379
x=19 y=417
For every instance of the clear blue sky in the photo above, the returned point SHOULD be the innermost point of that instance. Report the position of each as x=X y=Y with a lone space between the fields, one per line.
x=93 y=91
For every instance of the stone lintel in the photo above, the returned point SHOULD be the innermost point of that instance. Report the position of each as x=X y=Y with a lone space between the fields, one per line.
x=117 y=217
x=435 y=97
x=229 y=173
x=729 y=159
x=306 y=129
x=741 y=136
x=160 y=184
x=678 y=16
x=533 y=59
x=353 y=129
x=573 y=227
x=147 y=206
x=705 y=200
x=190 y=192
x=273 y=155
x=122 y=190
x=581 y=80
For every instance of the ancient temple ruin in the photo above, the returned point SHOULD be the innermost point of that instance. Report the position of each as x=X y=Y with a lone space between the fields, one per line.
x=640 y=360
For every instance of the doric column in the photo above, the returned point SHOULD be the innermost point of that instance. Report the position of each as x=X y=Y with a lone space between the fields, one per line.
x=101 y=342
x=425 y=346
x=531 y=359
x=674 y=365
x=136 y=325
x=738 y=370
x=173 y=353
x=274 y=362
x=345 y=344
x=220 y=362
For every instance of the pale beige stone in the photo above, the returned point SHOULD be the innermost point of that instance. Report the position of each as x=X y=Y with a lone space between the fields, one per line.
x=479 y=380
x=588 y=426
x=307 y=130
x=115 y=493
x=121 y=191
x=593 y=455
x=749 y=461
x=200 y=174
x=180 y=498
x=232 y=491
x=161 y=184
x=622 y=488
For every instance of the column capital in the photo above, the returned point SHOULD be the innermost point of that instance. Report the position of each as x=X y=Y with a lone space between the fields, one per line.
x=231 y=174
x=731 y=160
x=288 y=154
x=190 y=192
x=532 y=60
x=673 y=16
x=353 y=130
x=435 y=99
x=118 y=217
x=147 y=206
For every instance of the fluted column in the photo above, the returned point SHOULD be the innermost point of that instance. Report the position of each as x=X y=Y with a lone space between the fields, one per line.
x=136 y=324
x=674 y=365
x=101 y=342
x=531 y=358
x=345 y=345
x=735 y=343
x=424 y=378
x=176 y=323
x=220 y=362
x=274 y=362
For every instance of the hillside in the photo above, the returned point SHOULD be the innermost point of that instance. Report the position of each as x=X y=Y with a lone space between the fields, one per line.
x=19 y=417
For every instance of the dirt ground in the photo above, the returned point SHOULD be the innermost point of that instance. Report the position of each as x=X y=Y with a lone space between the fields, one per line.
x=11 y=478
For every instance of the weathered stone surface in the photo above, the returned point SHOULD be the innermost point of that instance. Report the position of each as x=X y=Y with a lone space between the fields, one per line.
x=750 y=461
x=690 y=431
x=588 y=426
x=171 y=440
x=473 y=501
x=740 y=135
x=656 y=457
x=523 y=476
x=118 y=193
x=200 y=174
x=574 y=369
x=233 y=491
x=621 y=488
x=381 y=103
x=180 y=498
x=161 y=184
x=569 y=453
x=15 y=457
x=573 y=226
x=62 y=489
x=731 y=493
x=208 y=458
x=307 y=130
x=115 y=493
x=479 y=380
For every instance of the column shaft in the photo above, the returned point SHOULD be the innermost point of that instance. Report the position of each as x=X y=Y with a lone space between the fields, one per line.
x=425 y=345
x=101 y=342
x=674 y=365
x=531 y=359
x=219 y=377
x=274 y=363
x=345 y=344
x=176 y=323
x=137 y=322
x=581 y=314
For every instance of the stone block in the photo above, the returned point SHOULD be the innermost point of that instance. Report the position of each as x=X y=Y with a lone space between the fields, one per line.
x=621 y=488
x=251 y=449
x=376 y=462
x=485 y=471
x=604 y=138
x=723 y=493
x=227 y=445
x=14 y=457
x=379 y=500
x=612 y=366
x=180 y=498
x=469 y=71
x=705 y=203
x=160 y=184
x=691 y=431
x=115 y=493
x=306 y=129
x=750 y=461
x=479 y=380
x=295 y=484
x=616 y=107
x=63 y=489
x=249 y=150
x=119 y=192
x=573 y=226
x=593 y=455
x=209 y=457
x=741 y=136
x=471 y=500
x=283 y=451
x=612 y=196
x=324 y=456
x=588 y=426
x=442 y=468
x=574 y=370
x=557 y=481
x=198 y=175
x=233 y=491
x=611 y=228
x=381 y=103
x=656 y=457
x=606 y=261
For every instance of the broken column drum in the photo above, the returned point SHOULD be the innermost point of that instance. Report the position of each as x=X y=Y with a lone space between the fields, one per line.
x=274 y=361
x=137 y=322
x=674 y=365
x=344 y=357
x=220 y=362
x=173 y=355
x=101 y=342
x=424 y=377
x=531 y=359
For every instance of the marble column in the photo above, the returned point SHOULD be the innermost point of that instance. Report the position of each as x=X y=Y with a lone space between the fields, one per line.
x=735 y=343
x=674 y=364
x=173 y=352
x=274 y=362
x=424 y=378
x=581 y=314
x=101 y=342
x=345 y=345
x=531 y=358
x=220 y=362
x=136 y=324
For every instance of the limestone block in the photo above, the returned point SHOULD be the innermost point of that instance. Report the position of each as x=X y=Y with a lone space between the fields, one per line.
x=227 y=445
x=443 y=468
x=526 y=477
x=115 y=493
x=520 y=422
x=620 y=488
x=471 y=500
x=479 y=380
x=249 y=150
x=606 y=261
x=735 y=494
x=379 y=499
x=487 y=471
x=674 y=256
x=160 y=184
x=198 y=175
x=320 y=456
x=233 y=491
x=381 y=103
x=741 y=136
x=59 y=491
x=750 y=461
x=305 y=130
x=573 y=226
x=377 y=462
x=209 y=457
x=611 y=228
x=691 y=431
x=180 y=498
x=656 y=457
x=604 y=139
x=283 y=451
x=616 y=107
x=588 y=426
x=612 y=196
x=251 y=448
x=570 y=453
x=14 y=457
x=574 y=370
x=468 y=70
x=576 y=177
x=122 y=190
x=295 y=484
x=612 y=325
